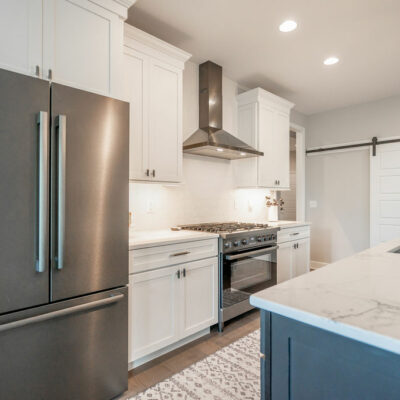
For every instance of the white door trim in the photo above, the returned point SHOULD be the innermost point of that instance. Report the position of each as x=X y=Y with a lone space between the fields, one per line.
x=300 y=171
x=376 y=171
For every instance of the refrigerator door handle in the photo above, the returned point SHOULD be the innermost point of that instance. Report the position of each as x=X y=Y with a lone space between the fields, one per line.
x=43 y=170
x=61 y=124
x=60 y=313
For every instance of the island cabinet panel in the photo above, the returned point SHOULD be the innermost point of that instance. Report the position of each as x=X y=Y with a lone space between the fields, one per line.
x=306 y=363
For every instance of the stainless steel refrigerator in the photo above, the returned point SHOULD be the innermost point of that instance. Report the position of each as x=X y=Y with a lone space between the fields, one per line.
x=63 y=241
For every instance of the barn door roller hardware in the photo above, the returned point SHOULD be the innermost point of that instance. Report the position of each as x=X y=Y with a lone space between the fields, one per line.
x=374 y=142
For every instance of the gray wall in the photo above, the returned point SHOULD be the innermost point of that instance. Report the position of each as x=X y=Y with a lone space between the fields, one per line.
x=339 y=182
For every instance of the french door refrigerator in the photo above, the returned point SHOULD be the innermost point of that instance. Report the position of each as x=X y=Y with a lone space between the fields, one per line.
x=63 y=241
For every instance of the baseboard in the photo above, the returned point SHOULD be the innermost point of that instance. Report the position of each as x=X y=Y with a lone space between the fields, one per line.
x=317 y=264
x=165 y=350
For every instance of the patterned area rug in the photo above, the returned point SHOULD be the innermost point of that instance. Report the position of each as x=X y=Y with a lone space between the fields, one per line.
x=231 y=373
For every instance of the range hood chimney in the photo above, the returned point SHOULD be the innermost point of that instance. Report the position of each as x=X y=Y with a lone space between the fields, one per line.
x=210 y=139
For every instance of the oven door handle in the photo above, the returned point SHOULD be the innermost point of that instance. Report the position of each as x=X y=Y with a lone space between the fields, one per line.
x=252 y=253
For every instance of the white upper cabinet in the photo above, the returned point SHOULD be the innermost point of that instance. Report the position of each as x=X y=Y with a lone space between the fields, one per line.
x=264 y=123
x=78 y=43
x=82 y=45
x=21 y=36
x=153 y=86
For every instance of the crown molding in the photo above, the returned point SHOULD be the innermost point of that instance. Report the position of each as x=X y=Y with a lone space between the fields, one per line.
x=119 y=7
x=136 y=39
x=261 y=95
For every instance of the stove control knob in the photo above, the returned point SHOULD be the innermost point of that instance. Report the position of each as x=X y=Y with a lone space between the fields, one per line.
x=227 y=245
x=273 y=237
x=265 y=238
x=236 y=243
x=259 y=238
x=244 y=241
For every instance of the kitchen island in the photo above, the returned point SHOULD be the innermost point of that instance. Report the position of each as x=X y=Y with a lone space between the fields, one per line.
x=334 y=333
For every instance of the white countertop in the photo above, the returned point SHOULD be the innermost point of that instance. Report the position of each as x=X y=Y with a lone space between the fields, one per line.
x=143 y=239
x=287 y=224
x=357 y=297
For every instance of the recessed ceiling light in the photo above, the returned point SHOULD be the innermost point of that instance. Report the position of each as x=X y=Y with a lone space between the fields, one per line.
x=331 y=61
x=288 y=26
x=219 y=149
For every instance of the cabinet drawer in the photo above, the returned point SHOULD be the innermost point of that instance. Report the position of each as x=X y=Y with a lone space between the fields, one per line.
x=162 y=256
x=296 y=233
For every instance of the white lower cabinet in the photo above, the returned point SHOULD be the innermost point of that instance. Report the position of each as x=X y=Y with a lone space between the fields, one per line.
x=169 y=304
x=199 y=296
x=301 y=264
x=293 y=253
x=153 y=310
x=285 y=262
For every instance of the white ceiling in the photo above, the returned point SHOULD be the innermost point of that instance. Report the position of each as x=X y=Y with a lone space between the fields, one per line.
x=243 y=37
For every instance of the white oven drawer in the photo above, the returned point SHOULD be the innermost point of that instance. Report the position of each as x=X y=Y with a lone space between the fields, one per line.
x=163 y=256
x=296 y=233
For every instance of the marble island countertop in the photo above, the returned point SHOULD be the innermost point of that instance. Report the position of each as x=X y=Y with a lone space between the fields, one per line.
x=357 y=297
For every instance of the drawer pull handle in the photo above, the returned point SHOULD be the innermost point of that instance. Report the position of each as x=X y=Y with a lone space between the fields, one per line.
x=294 y=234
x=182 y=253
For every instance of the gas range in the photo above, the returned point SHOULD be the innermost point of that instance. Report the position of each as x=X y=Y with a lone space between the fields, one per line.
x=238 y=235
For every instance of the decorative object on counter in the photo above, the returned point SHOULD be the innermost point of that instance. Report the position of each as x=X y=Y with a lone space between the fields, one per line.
x=274 y=203
x=231 y=373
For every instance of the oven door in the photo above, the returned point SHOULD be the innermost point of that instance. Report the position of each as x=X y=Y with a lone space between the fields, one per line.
x=247 y=272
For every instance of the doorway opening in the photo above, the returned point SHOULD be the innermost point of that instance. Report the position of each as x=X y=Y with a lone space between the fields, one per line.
x=288 y=211
x=294 y=199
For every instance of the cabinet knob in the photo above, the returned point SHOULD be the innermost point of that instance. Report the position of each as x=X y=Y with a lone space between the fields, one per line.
x=154 y=173
x=178 y=274
x=50 y=74
x=184 y=272
x=147 y=172
x=37 y=70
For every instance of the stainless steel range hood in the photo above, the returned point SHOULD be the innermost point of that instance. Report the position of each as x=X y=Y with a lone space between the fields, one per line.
x=210 y=139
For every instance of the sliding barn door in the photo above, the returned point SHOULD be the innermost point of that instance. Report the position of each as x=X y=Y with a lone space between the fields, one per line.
x=385 y=193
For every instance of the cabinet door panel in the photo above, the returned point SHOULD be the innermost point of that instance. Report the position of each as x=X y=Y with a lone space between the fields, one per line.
x=153 y=311
x=199 y=295
x=78 y=44
x=165 y=124
x=21 y=35
x=268 y=143
x=136 y=69
x=285 y=262
x=302 y=257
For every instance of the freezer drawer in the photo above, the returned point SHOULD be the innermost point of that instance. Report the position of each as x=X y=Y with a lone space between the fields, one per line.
x=75 y=349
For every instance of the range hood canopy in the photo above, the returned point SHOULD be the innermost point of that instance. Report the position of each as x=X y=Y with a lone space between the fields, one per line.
x=210 y=139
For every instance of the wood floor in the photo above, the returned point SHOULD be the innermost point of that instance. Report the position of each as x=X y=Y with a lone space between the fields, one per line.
x=163 y=367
